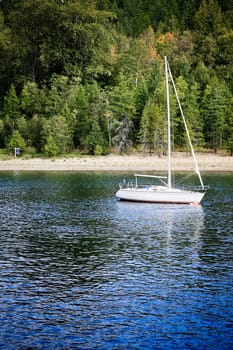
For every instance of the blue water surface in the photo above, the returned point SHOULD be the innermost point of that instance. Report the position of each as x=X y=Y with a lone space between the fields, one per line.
x=81 y=270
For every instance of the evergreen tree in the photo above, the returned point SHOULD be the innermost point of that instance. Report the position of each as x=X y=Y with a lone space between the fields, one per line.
x=5 y=57
x=151 y=134
x=95 y=140
x=35 y=127
x=209 y=25
x=224 y=64
x=228 y=132
x=82 y=121
x=11 y=109
x=214 y=108
x=189 y=97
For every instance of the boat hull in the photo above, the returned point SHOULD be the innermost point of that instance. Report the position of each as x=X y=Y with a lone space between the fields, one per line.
x=156 y=196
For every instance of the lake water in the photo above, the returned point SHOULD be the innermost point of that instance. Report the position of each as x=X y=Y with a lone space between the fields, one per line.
x=81 y=270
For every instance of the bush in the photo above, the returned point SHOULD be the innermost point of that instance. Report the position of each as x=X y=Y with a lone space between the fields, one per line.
x=50 y=148
x=16 y=141
x=98 y=150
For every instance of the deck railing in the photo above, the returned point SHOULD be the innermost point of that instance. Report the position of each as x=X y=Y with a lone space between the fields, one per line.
x=133 y=185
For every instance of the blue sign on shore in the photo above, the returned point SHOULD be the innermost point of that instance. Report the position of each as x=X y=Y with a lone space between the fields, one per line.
x=17 y=151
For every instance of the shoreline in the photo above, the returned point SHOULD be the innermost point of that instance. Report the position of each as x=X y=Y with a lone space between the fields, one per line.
x=208 y=162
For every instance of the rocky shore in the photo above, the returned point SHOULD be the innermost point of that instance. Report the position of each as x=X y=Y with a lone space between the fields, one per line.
x=181 y=162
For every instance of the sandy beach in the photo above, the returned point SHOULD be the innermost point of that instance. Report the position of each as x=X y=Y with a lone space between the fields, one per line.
x=113 y=163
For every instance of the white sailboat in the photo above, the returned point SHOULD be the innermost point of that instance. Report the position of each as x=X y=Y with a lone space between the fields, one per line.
x=165 y=192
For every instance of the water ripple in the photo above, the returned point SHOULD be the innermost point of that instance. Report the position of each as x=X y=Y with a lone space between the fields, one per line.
x=80 y=270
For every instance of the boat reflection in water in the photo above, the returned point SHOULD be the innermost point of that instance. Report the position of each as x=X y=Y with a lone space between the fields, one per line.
x=170 y=226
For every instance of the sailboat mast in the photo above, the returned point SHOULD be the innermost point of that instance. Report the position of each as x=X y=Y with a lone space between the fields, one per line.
x=169 y=183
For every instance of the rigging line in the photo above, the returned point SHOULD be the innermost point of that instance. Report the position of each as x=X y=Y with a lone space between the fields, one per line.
x=183 y=178
x=186 y=128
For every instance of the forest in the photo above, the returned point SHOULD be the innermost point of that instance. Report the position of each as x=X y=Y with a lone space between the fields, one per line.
x=87 y=76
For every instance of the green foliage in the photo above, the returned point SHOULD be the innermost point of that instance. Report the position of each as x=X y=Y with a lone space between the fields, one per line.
x=50 y=147
x=1 y=126
x=59 y=37
x=33 y=99
x=5 y=57
x=11 y=108
x=189 y=97
x=98 y=150
x=151 y=134
x=35 y=126
x=216 y=112
x=82 y=124
x=1 y=133
x=208 y=18
x=16 y=141
x=22 y=127
x=87 y=74
x=121 y=98
x=224 y=64
x=95 y=139
x=56 y=131
x=209 y=25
